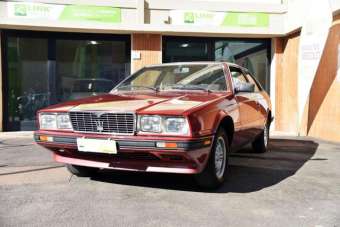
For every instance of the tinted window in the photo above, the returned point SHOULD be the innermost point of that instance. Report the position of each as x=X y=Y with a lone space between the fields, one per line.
x=48 y=68
x=251 y=80
x=241 y=82
x=237 y=75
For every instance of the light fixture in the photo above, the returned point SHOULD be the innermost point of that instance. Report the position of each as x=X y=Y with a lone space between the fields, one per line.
x=92 y=42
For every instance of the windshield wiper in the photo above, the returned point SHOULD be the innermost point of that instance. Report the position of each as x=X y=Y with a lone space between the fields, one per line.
x=189 y=87
x=137 y=86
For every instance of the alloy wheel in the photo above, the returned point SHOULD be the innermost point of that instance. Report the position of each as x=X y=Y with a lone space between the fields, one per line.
x=220 y=157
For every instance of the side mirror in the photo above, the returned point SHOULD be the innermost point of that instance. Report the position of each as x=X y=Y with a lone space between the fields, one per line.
x=244 y=87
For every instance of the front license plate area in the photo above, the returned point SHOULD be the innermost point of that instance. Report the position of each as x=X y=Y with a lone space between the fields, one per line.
x=97 y=146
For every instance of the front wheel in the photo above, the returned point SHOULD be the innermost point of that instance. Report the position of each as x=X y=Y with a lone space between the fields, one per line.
x=216 y=169
x=260 y=144
x=81 y=171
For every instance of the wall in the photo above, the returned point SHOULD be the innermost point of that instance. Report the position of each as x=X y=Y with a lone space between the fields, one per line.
x=286 y=51
x=321 y=117
x=322 y=112
x=149 y=46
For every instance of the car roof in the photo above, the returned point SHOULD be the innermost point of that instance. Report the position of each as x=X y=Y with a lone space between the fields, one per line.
x=197 y=63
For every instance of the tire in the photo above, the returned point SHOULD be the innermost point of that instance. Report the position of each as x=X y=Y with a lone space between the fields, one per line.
x=81 y=171
x=215 y=172
x=260 y=144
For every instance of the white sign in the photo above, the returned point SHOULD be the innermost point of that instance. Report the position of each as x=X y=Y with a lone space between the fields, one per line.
x=314 y=34
x=136 y=55
x=211 y=18
x=34 y=10
x=197 y=17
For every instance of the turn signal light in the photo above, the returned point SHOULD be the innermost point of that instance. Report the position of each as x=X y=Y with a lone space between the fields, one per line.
x=46 y=138
x=166 y=145
x=207 y=142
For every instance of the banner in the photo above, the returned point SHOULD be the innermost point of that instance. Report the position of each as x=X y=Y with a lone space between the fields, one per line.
x=104 y=14
x=232 y=19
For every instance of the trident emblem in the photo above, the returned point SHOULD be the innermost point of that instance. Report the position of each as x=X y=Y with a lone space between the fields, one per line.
x=99 y=125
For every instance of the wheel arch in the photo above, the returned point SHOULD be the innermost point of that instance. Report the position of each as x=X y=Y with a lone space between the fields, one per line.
x=227 y=124
x=270 y=117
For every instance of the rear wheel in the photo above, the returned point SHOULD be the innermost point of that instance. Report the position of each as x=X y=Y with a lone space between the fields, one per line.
x=81 y=171
x=260 y=144
x=216 y=169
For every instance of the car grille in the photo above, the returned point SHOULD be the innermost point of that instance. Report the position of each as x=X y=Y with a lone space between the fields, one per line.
x=98 y=122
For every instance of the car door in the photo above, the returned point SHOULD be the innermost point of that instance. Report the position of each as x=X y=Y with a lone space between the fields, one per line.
x=247 y=106
x=261 y=102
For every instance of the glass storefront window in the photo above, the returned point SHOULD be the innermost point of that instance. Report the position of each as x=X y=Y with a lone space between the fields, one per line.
x=252 y=54
x=27 y=81
x=50 y=68
x=89 y=67
x=182 y=51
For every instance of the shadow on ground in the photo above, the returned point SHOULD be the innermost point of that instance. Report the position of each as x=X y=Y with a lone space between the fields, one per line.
x=248 y=172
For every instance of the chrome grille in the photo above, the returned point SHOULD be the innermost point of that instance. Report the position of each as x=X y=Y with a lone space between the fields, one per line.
x=98 y=122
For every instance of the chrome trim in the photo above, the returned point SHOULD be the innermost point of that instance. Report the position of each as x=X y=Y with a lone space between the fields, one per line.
x=100 y=112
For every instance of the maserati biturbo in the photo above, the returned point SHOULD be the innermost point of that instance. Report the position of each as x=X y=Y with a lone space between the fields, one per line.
x=181 y=118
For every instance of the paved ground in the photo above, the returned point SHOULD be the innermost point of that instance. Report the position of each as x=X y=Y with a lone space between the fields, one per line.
x=296 y=184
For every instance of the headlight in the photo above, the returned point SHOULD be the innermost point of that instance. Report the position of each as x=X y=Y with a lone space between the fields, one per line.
x=63 y=121
x=176 y=125
x=150 y=123
x=48 y=121
x=164 y=125
x=54 y=121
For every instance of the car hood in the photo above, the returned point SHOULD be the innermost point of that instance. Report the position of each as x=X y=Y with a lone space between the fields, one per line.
x=174 y=103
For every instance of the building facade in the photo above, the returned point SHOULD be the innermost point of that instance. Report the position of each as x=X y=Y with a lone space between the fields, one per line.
x=51 y=49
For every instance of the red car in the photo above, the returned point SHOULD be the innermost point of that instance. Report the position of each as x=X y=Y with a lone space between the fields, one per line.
x=175 y=118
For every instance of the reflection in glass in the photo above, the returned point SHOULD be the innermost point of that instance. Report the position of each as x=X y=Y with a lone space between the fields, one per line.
x=88 y=67
x=27 y=81
x=249 y=53
x=178 y=51
x=45 y=71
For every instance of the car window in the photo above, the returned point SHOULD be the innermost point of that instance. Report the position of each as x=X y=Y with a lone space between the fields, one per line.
x=214 y=79
x=177 y=77
x=251 y=80
x=148 y=79
x=237 y=76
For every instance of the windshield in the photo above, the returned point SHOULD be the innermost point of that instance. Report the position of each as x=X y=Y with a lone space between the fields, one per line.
x=209 y=77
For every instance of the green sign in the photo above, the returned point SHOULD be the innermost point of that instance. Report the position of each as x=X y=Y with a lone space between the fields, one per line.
x=20 y=10
x=246 y=19
x=91 y=13
x=189 y=17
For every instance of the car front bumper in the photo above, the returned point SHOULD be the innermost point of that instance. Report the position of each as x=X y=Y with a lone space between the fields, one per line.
x=135 y=153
